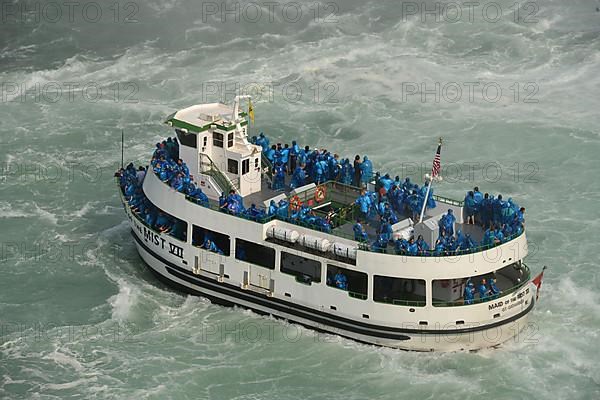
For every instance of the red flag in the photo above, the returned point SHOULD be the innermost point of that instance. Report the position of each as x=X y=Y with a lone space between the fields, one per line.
x=537 y=281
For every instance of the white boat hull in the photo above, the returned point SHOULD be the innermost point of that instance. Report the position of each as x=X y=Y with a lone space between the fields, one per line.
x=472 y=337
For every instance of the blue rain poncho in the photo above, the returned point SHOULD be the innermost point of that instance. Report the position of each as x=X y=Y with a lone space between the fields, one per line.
x=470 y=204
x=493 y=288
x=366 y=170
x=483 y=291
x=413 y=249
x=386 y=231
x=359 y=232
x=278 y=178
x=422 y=245
x=272 y=208
x=364 y=202
x=341 y=282
x=346 y=172
x=298 y=178
x=469 y=293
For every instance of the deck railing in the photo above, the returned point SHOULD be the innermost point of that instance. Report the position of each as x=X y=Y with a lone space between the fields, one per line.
x=346 y=214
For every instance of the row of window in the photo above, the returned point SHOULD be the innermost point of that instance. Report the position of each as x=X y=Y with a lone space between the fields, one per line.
x=307 y=271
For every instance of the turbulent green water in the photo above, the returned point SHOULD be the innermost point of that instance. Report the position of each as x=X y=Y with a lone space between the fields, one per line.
x=80 y=316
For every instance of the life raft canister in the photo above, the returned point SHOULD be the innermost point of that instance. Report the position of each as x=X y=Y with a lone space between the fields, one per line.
x=320 y=193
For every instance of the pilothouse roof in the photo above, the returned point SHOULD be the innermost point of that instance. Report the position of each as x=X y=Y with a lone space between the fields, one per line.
x=199 y=117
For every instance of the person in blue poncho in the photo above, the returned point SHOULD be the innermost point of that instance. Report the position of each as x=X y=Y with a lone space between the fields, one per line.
x=389 y=215
x=340 y=280
x=447 y=222
x=346 y=172
x=386 y=182
x=401 y=246
x=499 y=236
x=272 y=208
x=380 y=244
x=283 y=209
x=366 y=170
x=469 y=293
x=334 y=167
x=294 y=151
x=413 y=249
x=211 y=246
x=270 y=153
x=488 y=237
x=469 y=243
x=386 y=231
x=278 y=177
x=222 y=201
x=364 y=203
x=495 y=292
x=439 y=248
x=470 y=207
x=460 y=239
x=483 y=290
x=422 y=245
x=359 y=232
x=298 y=178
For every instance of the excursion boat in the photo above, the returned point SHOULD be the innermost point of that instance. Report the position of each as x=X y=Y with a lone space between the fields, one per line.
x=277 y=264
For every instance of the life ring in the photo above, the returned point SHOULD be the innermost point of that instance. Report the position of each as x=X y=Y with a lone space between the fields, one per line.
x=320 y=193
x=295 y=203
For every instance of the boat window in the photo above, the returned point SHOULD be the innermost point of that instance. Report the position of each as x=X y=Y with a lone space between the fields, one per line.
x=245 y=166
x=204 y=141
x=217 y=139
x=186 y=139
x=210 y=240
x=400 y=291
x=163 y=222
x=451 y=292
x=304 y=269
x=256 y=163
x=230 y=139
x=353 y=281
x=232 y=166
x=255 y=253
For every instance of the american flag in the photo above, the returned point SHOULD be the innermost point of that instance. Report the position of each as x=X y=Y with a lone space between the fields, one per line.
x=437 y=162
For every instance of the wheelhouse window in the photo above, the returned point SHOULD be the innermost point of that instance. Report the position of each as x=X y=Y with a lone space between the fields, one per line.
x=186 y=139
x=232 y=166
x=210 y=240
x=217 y=139
x=399 y=291
x=230 y=139
x=304 y=269
x=254 y=253
x=346 y=279
x=245 y=166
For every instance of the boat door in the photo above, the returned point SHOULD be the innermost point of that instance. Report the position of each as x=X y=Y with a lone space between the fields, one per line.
x=209 y=262
x=260 y=277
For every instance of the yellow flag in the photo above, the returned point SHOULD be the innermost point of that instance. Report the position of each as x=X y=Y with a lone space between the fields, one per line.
x=250 y=111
